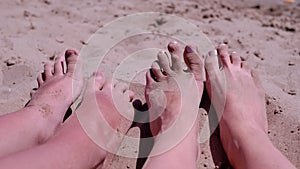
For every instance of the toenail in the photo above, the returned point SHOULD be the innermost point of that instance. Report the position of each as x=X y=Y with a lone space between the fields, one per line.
x=223 y=46
x=172 y=46
x=161 y=52
x=213 y=53
x=188 y=49
x=70 y=52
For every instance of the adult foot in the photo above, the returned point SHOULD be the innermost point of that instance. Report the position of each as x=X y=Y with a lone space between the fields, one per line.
x=238 y=97
x=58 y=89
x=172 y=94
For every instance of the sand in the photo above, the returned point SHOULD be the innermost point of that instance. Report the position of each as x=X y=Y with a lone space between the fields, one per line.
x=265 y=33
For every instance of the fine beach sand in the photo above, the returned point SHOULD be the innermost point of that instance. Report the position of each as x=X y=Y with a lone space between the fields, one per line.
x=267 y=36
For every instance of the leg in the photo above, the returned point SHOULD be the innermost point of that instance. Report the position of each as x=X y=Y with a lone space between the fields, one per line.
x=71 y=147
x=242 y=112
x=36 y=122
x=184 y=154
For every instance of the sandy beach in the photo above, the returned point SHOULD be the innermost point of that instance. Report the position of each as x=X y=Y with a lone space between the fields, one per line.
x=265 y=33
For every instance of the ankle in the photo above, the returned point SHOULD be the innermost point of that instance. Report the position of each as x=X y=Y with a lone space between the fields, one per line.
x=240 y=139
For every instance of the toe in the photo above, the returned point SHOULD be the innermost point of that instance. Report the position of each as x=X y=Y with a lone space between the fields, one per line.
x=96 y=81
x=245 y=67
x=163 y=60
x=121 y=87
x=58 y=66
x=174 y=50
x=194 y=63
x=257 y=80
x=73 y=63
x=158 y=75
x=40 y=80
x=130 y=94
x=48 y=71
x=212 y=64
x=32 y=92
x=235 y=59
x=223 y=54
x=149 y=78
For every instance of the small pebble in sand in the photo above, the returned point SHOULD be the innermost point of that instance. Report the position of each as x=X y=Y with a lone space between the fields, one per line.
x=59 y=40
x=31 y=26
x=291 y=63
x=83 y=42
x=268 y=101
x=26 y=13
x=276 y=111
x=47 y=2
x=243 y=58
x=51 y=57
x=292 y=92
x=258 y=54
x=225 y=41
x=12 y=61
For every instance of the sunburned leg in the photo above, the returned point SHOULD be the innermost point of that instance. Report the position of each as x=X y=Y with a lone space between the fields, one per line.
x=71 y=147
x=184 y=154
x=241 y=107
x=36 y=122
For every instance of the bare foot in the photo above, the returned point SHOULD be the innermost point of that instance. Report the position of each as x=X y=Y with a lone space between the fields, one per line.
x=57 y=91
x=82 y=133
x=171 y=92
x=238 y=97
x=106 y=112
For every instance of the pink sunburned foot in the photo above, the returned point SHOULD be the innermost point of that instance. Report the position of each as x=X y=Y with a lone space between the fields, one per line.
x=237 y=96
x=106 y=111
x=57 y=91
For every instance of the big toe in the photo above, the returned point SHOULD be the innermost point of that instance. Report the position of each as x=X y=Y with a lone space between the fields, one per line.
x=174 y=49
x=73 y=64
x=194 y=63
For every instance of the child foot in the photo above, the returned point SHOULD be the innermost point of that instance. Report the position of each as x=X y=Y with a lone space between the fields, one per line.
x=238 y=97
x=57 y=91
x=106 y=112
x=92 y=131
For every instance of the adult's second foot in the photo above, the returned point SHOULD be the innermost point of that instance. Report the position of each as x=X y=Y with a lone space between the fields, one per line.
x=238 y=97
x=236 y=91
x=171 y=93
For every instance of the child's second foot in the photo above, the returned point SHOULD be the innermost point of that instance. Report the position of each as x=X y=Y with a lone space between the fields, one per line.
x=57 y=91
